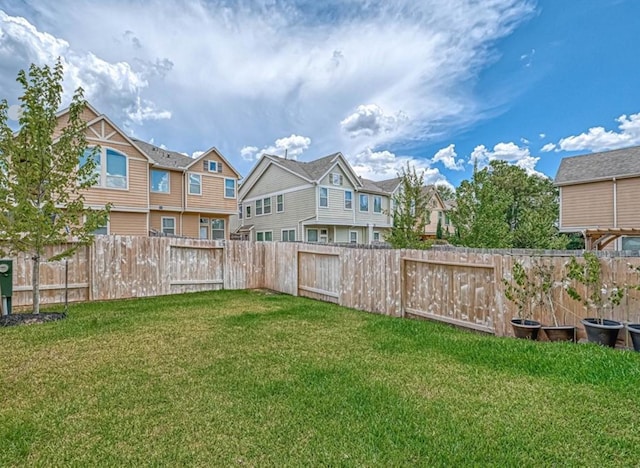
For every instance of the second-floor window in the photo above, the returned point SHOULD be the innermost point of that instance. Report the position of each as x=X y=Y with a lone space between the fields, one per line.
x=229 y=188
x=377 y=204
x=267 y=205
x=247 y=211
x=159 y=181
x=258 y=207
x=111 y=168
x=364 y=202
x=279 y=203
x=263 y=206
x=324 y=197
x=195 y=184
x=348 y=199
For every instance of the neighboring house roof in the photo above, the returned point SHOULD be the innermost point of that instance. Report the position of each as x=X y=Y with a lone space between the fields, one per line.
x=312 y=170
x=164 y=157
x=372 y=186
x=389 y=185
x=599 y=166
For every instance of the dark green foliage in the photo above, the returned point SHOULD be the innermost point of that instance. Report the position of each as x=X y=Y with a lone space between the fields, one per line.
x=504 y=207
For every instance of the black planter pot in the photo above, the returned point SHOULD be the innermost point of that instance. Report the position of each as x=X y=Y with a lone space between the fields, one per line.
x=602 y=331
x=526 y=329
x=634 y=331
x=561 y=333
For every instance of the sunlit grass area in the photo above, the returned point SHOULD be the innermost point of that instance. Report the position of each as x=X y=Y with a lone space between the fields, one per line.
x=252 y=378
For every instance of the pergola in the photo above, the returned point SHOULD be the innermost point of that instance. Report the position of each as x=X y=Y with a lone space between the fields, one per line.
x=599 y=238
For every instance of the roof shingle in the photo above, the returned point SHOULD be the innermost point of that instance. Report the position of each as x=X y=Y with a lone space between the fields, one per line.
x=597 y=166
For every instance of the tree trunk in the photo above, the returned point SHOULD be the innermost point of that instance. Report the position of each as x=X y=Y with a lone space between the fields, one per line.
x=35 y=282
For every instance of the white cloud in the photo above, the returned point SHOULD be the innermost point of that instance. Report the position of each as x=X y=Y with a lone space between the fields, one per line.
x=112 y=85
x=447 y=156
x=510 y=152
x=294 y=146
x=542 y=135
x=381 y=165
x=599 y=139
x=548 y=147
x=370 y=120
x=524 y=141
x=260 y=69
x=197 y=154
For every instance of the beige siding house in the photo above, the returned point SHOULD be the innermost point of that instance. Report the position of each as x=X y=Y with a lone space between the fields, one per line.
x=156 y=191
x=599 y=196
x=316 y=201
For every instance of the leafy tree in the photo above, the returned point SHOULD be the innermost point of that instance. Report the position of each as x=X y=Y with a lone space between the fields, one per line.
x=41 y=180
x=504 y=207
x=410 y=211
x=445 y=192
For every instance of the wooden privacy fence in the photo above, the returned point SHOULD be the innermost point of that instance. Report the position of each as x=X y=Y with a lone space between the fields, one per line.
x=460 y=287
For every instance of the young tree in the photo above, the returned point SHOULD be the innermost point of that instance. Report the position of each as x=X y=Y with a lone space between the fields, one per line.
x=410 y=211
x=41 y=178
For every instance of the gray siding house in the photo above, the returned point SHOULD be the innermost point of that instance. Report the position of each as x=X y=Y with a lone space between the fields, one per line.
x=316 y=201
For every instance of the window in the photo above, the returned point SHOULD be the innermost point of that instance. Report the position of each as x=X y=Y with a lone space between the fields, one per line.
x=377 y=204
x=364 y=202
x=312 y=235
x=353 y=237
x=336 y=179
x=266 y=236
x=217 y=229
x=110 y=168
x=258 y=207
x=247 y=210
x=324 y=197
x=324 y=235
x=280 y=203
x=159 y=181
x=169 y=226
x=229 y=188
x=267 y=205
x=240 y=211
x=195 y=184
x=631 y=243
x=102 y=230
x=376 y=236
x=212 y=166
x=348 y=200
x=288 y=235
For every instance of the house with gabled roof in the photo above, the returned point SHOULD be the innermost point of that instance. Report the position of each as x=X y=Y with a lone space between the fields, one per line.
x=599 y=195
x=317 y=201
x=153 y=190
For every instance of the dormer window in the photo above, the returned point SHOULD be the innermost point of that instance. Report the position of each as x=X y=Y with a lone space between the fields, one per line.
x=335 y=178
x=212 y=166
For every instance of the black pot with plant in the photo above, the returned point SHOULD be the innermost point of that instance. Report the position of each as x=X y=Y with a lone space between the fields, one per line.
x=521 y=291
x=597 y=297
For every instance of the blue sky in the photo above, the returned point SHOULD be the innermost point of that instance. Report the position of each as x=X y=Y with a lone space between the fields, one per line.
x=386 y=82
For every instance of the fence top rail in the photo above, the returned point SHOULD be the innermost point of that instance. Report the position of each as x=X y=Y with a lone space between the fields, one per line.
x=448 y=263
x=206 y=247
x=319 y=252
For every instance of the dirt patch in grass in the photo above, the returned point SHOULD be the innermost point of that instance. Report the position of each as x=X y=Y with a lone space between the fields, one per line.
x=30 y=319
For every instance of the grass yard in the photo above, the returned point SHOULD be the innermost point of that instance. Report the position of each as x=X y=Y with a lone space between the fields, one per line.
x=248 y=378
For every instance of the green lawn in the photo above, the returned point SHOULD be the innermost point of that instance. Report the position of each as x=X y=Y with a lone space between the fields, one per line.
x=248 y=378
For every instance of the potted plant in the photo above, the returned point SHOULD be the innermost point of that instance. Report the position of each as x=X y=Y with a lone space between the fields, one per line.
x=521 y=291
x=596 y=296
x=634 y=328
x=543 y=284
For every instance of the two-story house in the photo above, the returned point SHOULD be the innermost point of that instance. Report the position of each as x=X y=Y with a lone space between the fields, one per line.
x=152 y=190
x=438 y=213
x=317 y=201
x=599 y=195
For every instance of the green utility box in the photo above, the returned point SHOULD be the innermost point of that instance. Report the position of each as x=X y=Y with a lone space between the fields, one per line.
x=6 y=285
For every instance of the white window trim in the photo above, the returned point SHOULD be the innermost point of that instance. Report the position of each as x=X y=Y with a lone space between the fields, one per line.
x=174 y=224
x=317 y=235
x=264 y=235
x=320 y=189
x=288 y=230
x=102 y=178
x=235 y=188
x=247 y=215
x=168 y=181
x=209 y=165
x=282 y=210
x=345 y=199
x=264 y=205
x=360 y=203
x=224 y=229
x=379 y=239
x=374 y=204
x=189 y=174
x=353 y=232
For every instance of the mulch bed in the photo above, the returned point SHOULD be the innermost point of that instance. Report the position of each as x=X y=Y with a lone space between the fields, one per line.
x=29 y=319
